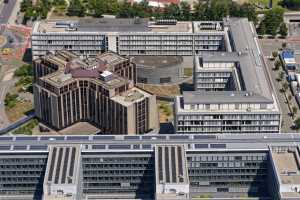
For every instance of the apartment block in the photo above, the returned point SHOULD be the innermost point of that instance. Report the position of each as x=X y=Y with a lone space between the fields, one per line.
x=233 y=91
x=100 y=90
x=243 y=166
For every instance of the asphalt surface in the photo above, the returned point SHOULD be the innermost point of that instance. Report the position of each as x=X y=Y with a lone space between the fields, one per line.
x=268 y=46
x=6 y=11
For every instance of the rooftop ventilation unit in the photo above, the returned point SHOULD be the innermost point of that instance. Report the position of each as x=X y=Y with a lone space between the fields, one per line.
x=166 y=22
x=106 y=76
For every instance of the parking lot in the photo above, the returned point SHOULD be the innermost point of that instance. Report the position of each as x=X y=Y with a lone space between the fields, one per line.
x=268 y=46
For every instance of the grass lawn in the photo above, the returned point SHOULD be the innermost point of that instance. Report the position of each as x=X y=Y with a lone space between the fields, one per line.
x=188 y=71
x=27 y=128
x=165 y=111
x=160 y=90
x=16 y=112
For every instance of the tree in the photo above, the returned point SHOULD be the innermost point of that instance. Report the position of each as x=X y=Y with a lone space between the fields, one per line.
x=294 y=110
x=282 y=74
x=283 y=45
x=185 y=11
x=261 y=30
x=289 y=97
x=199 y=10
x=98 y=7
x=273 y=19
x=297 y=123
x=274 y=54
x=285 y=86
x=277 y=65
x=283 y=30
x=172 y=11
x=76 y=8
x=25 y=70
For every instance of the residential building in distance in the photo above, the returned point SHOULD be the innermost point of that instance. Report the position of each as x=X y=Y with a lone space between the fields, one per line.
x=243 y=166
x=233 y=91
x=99 y=90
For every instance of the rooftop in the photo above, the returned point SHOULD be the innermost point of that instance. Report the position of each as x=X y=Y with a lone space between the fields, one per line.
x=62 y=165
x=131 y=96
x=109 y=25
x=171 y=164
x=217 y=97
x=252 y=66
x=208 y=26
x=159 y=61
x=93 y=25
x=287 y=162
x=96 y=69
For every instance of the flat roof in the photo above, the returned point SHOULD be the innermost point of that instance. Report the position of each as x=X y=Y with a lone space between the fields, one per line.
x=217 y=97
x=200 y=142
x=287 y=162
x=157 y=61
x=72 y=67
x=253 y=68
x=62 y=164
x=178 y=27
x=131 y=96
x=95 y=25
x=170 y=164
x=120 y=25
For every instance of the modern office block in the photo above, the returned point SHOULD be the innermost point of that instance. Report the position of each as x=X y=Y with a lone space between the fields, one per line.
x=243 y=166
x=98 y=90
x=132 y=37
x=233 y=91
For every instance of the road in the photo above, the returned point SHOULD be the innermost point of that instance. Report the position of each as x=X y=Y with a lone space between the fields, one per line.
x=7 y=10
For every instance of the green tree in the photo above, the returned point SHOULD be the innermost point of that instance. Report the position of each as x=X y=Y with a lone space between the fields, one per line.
x=283 y=45
x=199 y=10
x=25 y=4
x=76 y=8
x=185 y=11
x=272 y=20
x=172 y=11
x=285 y=86
x=294 y=110
x=297 y=123
x=261 y=30
x=277 y=65
x=25 y=70
x=10 y=100
x=289 y=97
x=274 y=54
x=283 y=30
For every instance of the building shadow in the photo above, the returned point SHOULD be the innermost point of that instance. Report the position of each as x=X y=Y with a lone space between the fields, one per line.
x=166 y=128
